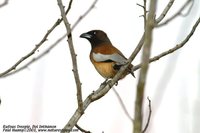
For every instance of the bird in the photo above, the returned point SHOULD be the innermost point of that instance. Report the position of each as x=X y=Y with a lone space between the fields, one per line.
x=105 y=57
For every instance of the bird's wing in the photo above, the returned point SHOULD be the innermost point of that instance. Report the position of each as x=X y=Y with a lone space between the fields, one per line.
x=115 y=57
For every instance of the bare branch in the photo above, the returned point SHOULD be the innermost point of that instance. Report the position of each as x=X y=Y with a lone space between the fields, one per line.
x=149 y=117
x=141 y=42
x=36 y=58
x=37 y=46
x=178 y=13
x=144 y=68
x=73 y=56
x=178 y=46
x=69 y=7
x=13 y=70
x=122 y=104
x=25 y=57
x=189 y=10
x=140 y=5
x=165 y=11
x=85 y=14
x=81 y=129
x=144 y=10
x=4 y=3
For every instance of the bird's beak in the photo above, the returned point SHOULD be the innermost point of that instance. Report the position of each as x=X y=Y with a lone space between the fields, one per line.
x=86 y=35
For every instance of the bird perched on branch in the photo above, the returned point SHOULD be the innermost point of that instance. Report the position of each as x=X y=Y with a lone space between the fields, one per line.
x=106 y=58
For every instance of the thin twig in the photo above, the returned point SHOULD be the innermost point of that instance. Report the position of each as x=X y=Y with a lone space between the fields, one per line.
x=158 y=20
x=165 y=11
x=138 y=118
x=85 y=14
x=189 y=10
x=145 y=13
x=37 y=46
x=176 y=47
x=144 y=10
x=4 y=3
x=73 y=56
x=81 y=129
x=69 y=7
x=122 y=104
x=178 y=13
x=13 y=71
x=36 y=58
x=149 y=117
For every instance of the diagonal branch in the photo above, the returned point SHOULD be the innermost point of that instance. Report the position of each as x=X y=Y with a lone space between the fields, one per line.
x=178 y=46
x=85 y=14
x=13 y=71
x=165 y=11
x=37 y=46
x=178 y=13
x=122 y=104
x=35 y=58
x=73 y=56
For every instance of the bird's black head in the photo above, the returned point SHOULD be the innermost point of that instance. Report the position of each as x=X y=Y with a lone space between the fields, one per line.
x=96 y=37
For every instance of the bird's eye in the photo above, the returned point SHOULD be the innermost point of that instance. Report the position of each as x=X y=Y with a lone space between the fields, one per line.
x=94 y=32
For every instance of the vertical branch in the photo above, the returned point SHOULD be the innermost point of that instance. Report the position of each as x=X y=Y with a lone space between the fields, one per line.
x=144 y=68
x=145 y=11
x=73 y=56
